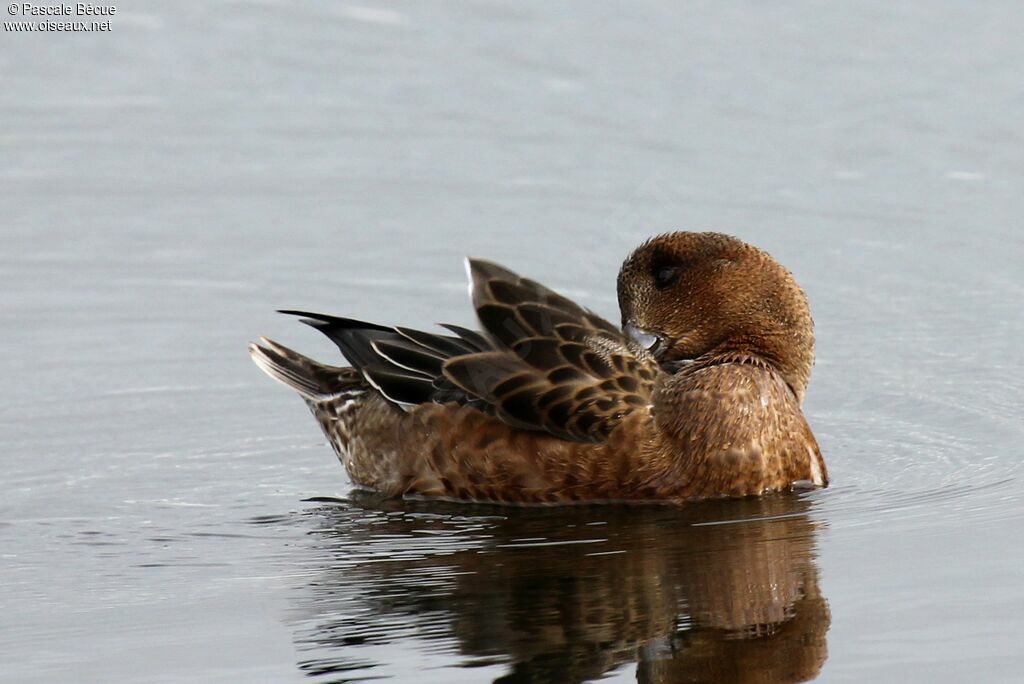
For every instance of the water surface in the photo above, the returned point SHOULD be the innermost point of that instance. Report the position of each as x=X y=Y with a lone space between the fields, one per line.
x=169 y=184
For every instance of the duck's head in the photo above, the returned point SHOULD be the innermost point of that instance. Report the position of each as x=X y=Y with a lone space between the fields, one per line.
x=687 y=295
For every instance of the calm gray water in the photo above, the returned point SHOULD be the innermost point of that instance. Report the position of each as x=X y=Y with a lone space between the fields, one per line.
x=168 y=184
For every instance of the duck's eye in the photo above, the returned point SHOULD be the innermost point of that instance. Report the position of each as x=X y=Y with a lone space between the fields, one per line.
x=665 y=276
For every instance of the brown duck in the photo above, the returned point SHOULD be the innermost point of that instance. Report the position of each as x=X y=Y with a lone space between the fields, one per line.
x=698 y=395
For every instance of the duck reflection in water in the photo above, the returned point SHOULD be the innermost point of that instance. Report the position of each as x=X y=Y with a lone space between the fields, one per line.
x=715 y=591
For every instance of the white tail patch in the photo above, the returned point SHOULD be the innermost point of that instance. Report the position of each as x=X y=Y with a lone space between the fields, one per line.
x=469 y=275
x=293 y=370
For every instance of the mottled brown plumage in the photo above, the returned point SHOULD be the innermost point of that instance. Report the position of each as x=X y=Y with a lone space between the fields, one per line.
x=697 y=396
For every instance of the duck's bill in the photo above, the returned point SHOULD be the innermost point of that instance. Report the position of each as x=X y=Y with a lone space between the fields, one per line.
x=645 y=339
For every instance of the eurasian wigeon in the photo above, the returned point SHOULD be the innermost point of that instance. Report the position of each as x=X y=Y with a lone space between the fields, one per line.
x=698 y=394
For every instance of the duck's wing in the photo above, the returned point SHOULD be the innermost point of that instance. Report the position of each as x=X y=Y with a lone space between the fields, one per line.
x=541 y=363
x=554 y=365
x=403 y=364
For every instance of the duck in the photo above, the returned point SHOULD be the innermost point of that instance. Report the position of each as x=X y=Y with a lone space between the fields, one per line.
x=697 y=394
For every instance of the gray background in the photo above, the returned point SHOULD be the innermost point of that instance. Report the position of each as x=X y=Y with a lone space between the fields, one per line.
x=167 y=185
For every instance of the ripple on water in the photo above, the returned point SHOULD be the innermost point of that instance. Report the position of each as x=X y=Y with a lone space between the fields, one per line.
x=891 y=467
x=574 y=594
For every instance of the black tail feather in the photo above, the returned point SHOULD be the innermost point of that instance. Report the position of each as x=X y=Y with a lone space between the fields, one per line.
x=354 y=338
x=404 y=364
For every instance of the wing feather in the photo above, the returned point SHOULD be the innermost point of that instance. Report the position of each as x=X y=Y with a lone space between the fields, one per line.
x=541 y=362
x=555 y=366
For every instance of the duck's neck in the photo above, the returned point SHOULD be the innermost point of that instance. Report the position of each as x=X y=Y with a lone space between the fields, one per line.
x=790 y=354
